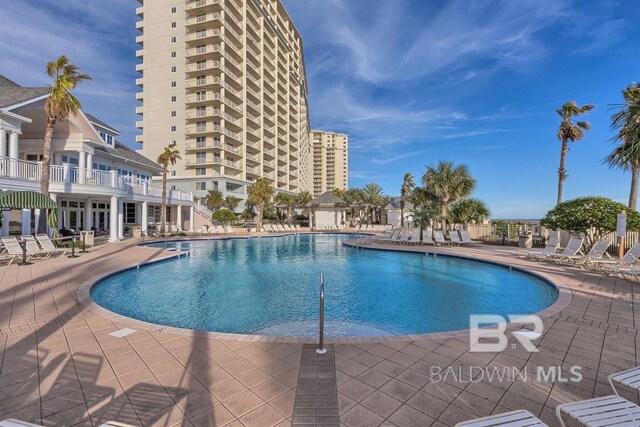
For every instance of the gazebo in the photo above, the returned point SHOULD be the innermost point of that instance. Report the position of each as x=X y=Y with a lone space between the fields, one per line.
x=328 y=211
x=28 y=200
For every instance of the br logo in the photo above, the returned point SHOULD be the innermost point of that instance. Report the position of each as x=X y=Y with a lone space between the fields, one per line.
x=488 y=332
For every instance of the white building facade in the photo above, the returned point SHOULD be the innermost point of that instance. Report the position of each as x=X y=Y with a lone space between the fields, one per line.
x=97 y=182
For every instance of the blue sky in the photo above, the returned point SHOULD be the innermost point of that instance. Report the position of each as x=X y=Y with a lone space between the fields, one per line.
x=411 y=82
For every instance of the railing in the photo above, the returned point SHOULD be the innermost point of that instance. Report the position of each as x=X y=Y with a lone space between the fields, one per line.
x=26 y=170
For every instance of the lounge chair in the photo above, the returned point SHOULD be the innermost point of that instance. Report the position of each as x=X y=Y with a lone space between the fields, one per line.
x=519 y=418
x=573 y=248
x=627 y=261
x=466 y=239
x=548 y=250
x=597 y=251
x=14 y=249
x=385 y=239
x=228 y=229
x=48 y=245
x=629 y=378
x=454 y=238
x=415 y=237
x=427 y=239
x=34 y=249
x=404 y=236
x=438 y=237
x=602 y=411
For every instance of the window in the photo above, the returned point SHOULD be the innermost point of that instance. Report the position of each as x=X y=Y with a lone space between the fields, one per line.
x=201 y=171
x=173 y=113
x=129 y=213
x=201 y=186
x=173 y=128
x=174 y=39
x=174 y=84
x=173 y=173
x=201 y=111
x=202 y=64
x=174 y=24
x=200 y=80
x=174 y=98
x=174 y=54
x=201 y=95
x=174 y=9
x=174 y=68
x=201 y=157
x=153 y=213
x=201 y=126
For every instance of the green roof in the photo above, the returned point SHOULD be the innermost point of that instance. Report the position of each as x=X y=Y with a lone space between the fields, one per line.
x=25 y=200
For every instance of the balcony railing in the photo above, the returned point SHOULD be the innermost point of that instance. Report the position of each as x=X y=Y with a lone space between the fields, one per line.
x=63 y=174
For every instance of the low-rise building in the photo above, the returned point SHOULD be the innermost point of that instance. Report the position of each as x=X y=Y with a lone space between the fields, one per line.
x=97 y=182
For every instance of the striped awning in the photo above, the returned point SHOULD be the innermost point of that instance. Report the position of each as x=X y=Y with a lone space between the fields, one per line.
x=25 y=200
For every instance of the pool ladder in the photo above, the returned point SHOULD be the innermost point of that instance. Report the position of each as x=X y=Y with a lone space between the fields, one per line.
x=321 y=349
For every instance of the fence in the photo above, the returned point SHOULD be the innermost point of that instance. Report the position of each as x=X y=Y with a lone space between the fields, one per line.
x=510 y=232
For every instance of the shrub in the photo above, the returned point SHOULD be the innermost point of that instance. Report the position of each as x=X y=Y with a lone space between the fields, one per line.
x=223 y=215
x=593 y=216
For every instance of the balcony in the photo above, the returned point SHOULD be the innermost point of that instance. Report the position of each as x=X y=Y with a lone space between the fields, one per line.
x=213 y=144
x=202 y=51
x=204 y=34
x=202 y=4
x=212 y=128
x=88 y=181
x=203 y=20
x=208 y=97
x=211 y=160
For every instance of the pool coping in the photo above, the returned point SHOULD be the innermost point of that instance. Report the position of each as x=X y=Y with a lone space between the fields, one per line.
x=84 y=297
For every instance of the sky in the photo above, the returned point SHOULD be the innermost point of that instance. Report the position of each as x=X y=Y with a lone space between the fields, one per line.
x=411 y=82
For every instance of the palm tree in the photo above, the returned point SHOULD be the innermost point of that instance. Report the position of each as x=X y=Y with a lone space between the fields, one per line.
x=627 y=155
x=231 y=202
x=569 y=131
x=448 y=183
x=303 y=200
x=407 y=186
x=467 y=210
x=372 y=197
x=259 y=194
x=288 y=201
x=168 y=157
x=426 y=208
x=214 y=199
x=355 y=197
x=59 y=106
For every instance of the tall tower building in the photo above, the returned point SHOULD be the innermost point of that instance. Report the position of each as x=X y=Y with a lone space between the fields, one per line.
x=329 y=152
x=225 y=81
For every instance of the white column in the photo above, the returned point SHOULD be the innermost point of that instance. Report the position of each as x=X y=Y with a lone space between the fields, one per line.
x=3 y=143
x=26 y=221
x=13 y=153
x=121 y=219
x=145 y=216
x=82 y=166
x=179 y=217
x=5 y=222
x=191 y=219
x=88 y=215
x=36 y=220
x=113 y=220
x=89 y=161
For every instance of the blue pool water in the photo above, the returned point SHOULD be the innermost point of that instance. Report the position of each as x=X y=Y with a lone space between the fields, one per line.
x=270 y=286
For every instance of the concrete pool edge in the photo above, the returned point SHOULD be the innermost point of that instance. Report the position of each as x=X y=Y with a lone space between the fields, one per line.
x=85 y=299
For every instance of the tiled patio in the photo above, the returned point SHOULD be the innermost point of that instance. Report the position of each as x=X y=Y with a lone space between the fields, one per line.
x=60 y=366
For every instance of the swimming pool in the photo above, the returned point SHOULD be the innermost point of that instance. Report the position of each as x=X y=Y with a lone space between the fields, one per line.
x=269 y=286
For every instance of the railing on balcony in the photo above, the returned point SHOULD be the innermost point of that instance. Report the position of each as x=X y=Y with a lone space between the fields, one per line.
x=26 y=170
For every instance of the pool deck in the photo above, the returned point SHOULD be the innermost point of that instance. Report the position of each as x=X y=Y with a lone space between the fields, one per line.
x=60 y=366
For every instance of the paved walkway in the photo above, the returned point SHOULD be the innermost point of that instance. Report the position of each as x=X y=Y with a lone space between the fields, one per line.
x=60 y=366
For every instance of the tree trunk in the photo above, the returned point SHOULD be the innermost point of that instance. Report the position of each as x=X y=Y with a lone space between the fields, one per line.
x=562 y=172
x=163 y=211
x=443 y=217
x=633 y=194
x=401 y=212
x=46 y=155
x=259 y=220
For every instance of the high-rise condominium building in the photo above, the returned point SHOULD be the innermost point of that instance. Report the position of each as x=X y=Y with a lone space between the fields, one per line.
x=329 y=161
x=225 y=81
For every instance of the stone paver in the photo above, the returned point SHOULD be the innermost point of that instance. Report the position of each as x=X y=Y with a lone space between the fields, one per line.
x=60 y=366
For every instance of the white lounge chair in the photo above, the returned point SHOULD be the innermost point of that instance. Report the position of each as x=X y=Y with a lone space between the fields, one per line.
x=601 y=411
x=627 y=261
x=548 y=250
x=454 y=238
x=597 y=251
x=385 y=239
x=404 y=236
x=519 y=418
x=573 y=248
x=14 y=249
x=427 y=239
x=48 y=245
x=466 y=239
x=629 y=378
x=12 y=422
x=415 y=237
x=34 y=249
x=438 y=237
